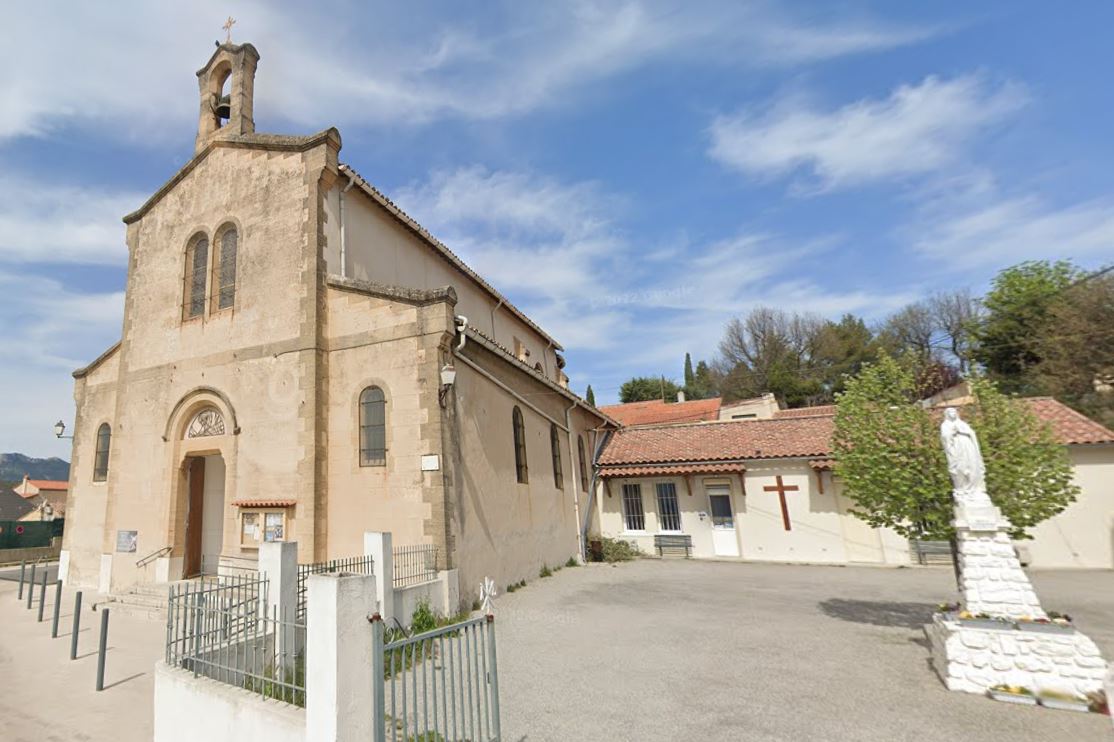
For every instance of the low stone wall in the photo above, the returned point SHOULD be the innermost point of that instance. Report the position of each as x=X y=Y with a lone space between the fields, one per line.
x=973 y=659
x=32 y=554
x=442 y=594
x=188 y=709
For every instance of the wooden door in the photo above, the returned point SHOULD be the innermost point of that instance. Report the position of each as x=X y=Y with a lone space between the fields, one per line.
x=196 y=486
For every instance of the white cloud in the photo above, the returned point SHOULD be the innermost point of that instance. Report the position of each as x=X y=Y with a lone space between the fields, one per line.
x=917 y=129
x=995 y=233
x=126 y=66
x=46 y=222
x=49 y=331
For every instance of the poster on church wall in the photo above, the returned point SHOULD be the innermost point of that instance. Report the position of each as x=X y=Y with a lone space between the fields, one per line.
x=126 y=542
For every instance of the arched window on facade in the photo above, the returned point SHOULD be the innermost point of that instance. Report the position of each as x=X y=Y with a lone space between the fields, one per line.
x=197 y=267
x=100 y=457
x=519 y=446
x=224 y=270
x=583 y=462
x=373 y=427
x=555 y=446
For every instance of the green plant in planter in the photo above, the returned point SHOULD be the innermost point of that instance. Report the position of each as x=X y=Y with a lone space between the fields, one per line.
x=1015 y=690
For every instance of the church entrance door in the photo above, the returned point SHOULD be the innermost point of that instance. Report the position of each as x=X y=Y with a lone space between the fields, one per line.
x=204 y=515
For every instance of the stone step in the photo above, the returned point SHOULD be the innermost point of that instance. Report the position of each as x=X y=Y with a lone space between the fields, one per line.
x=136 y=611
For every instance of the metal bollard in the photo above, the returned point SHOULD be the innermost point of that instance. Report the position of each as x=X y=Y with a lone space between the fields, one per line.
x=76 y=625
x=42 y=597
x=57 y=609
x=101 y=650
x=22 y=570
x=31 y=586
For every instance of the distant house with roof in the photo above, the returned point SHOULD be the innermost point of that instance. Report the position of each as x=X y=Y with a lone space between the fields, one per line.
x=763 y=488
x=47 y=498
x=661 y=412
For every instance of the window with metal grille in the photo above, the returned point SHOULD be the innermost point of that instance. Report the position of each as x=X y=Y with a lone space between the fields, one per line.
x=583 y=462
x=100 y=458
x=225 y=278
x=373 y=427
x=633 y=515
x=667 y=506
x=520 y=467
x=555 y=446
x=197 y=266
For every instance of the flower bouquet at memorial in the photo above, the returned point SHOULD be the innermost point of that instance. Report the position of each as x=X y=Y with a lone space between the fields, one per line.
x=1064 y=701
x=984 y=620
x=1056 y=623
x=1012 y=694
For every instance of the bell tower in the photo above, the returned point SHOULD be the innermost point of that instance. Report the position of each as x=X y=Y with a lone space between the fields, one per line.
x=227 y=85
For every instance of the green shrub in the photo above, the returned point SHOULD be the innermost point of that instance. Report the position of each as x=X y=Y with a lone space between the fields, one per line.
x=545 y=571
x=618 y=550
x=572 y=562
x=423 y=619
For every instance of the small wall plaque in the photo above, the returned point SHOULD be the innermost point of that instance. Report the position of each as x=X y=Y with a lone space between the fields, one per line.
x=431 y=462
x=126 y=541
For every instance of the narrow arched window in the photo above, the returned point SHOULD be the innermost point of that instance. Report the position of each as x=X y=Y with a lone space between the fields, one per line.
x=224 y=276
x=583 y=462
x=519 y=446
x=555 y=446
x=100 y=457
x=197 y=267
x=373 y=427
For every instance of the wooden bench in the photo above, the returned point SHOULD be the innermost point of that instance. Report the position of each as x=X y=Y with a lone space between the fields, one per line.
x=931 y=552
x=677 y=544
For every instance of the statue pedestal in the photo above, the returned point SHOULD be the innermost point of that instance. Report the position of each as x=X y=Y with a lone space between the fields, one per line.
x=992 y=579
x=973 y=658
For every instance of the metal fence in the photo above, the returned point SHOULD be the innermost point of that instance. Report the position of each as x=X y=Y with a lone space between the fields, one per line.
x=219 y=628
x=358 y=565
x=414 y=564
x=440 y=685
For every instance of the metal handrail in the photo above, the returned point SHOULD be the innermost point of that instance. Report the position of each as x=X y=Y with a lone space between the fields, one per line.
x=153 y=556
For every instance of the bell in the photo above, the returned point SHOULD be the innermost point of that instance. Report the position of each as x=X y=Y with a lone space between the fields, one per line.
x=224 y=107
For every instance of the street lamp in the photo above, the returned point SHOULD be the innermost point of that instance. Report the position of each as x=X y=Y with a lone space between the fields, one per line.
x=448 y=378
x=59 y=429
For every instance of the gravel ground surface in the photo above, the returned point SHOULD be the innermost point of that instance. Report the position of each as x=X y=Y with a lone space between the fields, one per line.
x=697 y=650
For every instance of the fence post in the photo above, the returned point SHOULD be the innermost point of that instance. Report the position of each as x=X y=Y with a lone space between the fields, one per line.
x=493 y=676
x=22 y=571
x=379 y=546
x=76 y=625
x=278 y=564
x=378 y=671
x=339 y=657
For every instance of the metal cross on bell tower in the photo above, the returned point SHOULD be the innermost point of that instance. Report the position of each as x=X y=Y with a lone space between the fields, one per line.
x=228 y=28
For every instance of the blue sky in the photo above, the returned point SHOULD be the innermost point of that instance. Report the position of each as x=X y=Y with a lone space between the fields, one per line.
x=631 y=174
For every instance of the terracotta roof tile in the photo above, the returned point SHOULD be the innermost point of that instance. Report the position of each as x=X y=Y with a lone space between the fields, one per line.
x=721 y=441
x=793 y=435
x=49 y=484
x=658 y=470
x=266 y=502
x=657 y=412
x=828 y=409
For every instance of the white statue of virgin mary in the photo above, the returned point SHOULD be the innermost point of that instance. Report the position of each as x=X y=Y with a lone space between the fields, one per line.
x=965 y=464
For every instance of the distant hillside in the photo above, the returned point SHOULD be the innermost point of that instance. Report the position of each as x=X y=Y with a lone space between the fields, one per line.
x=14 y=465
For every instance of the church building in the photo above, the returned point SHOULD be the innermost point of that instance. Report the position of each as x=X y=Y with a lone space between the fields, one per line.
x=301 y=360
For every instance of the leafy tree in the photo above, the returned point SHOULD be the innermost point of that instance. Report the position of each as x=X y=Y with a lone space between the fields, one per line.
x=690 y=376
x=1018 y=313
x=1076 y=349
x=770 y=350
x=643 y=388
x=889 y=456
x=590 y=396
x=704 y=385
x=841 y=349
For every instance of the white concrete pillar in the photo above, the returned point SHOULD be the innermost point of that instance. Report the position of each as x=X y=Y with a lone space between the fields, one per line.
x=379 y=546
x=278 y=562
x=338 y=657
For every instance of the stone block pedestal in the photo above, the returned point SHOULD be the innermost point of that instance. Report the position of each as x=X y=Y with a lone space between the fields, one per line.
x=993 y=581
x=973 y=660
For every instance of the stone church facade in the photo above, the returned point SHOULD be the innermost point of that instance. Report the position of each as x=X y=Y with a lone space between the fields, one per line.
x=300 y=360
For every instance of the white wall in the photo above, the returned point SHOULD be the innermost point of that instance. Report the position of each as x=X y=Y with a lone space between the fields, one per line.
x=1082 y=535
x=179 y=696
x=442 y=594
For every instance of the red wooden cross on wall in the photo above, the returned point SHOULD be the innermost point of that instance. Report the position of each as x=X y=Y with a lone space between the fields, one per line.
x=781 y=489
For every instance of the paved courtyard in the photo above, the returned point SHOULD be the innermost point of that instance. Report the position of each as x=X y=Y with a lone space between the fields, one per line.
x=689 y=650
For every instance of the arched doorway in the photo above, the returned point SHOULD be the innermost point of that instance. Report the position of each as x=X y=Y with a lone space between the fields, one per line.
x=204 y=517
